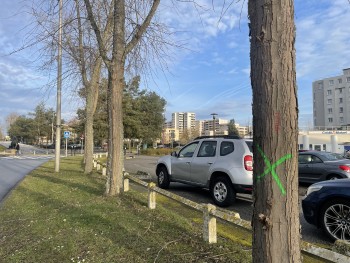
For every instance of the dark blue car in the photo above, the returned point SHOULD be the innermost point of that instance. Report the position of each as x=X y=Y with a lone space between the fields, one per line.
x=327 y=205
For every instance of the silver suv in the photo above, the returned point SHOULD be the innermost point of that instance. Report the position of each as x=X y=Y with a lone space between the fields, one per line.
x=222 y=164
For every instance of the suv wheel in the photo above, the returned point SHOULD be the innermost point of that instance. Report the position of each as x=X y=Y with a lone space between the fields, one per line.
x=222 y=191
x=335 y=216
x=163 y=178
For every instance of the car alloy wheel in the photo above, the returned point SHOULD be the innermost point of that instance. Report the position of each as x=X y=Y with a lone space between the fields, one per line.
x=336 y=220
x=163 y=178
x=220 y=191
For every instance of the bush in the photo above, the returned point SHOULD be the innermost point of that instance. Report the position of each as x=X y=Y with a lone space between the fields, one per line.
x=157 y=152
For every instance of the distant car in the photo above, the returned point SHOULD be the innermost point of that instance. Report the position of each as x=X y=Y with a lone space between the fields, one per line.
x=222 y=164
x=327 y=206
x=74 y=146
x=316 y=166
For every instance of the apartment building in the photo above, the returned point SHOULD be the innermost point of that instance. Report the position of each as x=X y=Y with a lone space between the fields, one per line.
x=331 y=101
x=183 y=121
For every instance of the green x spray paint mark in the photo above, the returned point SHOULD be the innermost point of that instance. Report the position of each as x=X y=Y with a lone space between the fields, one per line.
x=271 y=168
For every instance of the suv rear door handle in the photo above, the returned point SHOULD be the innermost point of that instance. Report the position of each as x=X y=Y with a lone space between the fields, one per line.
x=210 y=163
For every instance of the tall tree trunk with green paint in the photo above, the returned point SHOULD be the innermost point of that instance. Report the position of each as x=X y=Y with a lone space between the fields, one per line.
x=276 y=227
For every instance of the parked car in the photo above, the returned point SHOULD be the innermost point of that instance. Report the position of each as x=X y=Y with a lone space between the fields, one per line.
x=327 y=206
x=222 y=164
x=316 y=166
x=74 y=146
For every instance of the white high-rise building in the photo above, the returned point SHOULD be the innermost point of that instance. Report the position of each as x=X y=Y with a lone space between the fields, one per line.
x=331 y=101
x=183 y=121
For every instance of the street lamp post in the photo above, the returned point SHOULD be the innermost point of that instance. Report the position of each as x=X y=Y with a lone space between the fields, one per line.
x=214 y=114
x=59 y=86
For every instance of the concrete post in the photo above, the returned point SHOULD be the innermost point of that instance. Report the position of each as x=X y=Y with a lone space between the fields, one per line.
x=98 y=166
x=104 y=171
x=209 y=224
x=126 y=185
x=151 y=196
x=95 y=163
x=306 y=142
x=334 y=142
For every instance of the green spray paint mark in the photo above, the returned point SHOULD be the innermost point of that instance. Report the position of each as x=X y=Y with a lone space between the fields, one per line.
x=271 y=168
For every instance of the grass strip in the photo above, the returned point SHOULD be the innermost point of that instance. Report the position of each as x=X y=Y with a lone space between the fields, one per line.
x=64 y=217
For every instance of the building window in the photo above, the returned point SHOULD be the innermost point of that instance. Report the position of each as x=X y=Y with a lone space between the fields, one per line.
x=340 y=100
x=341 y=110
x=331 y=82
x=341 y=119
x=329 y=92
x=329 y=101
x=324 y=147
x=340 y=81
x=320 y=85
x=330 y=110
x=347 y=79
x=330 y=120
x=340 y=91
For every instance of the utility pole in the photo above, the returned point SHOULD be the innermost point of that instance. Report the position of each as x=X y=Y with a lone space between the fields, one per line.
x=59 y=87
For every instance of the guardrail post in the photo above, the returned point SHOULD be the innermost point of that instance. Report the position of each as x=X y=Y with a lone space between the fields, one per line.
x=151 y=196
x=104 y=171
x=98 y=167
x=126 y=184
x=209 y=224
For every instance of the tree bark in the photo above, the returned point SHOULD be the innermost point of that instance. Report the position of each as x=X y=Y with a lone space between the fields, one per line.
x=276 y=227
x=91 y=104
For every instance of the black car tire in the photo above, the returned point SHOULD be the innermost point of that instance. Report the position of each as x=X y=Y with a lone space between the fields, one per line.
x=163 y=179
x=335 y=219
x=222 y=191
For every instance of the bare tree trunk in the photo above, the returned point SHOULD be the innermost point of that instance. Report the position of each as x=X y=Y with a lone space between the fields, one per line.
x=116 y=70
x=276 y=228
x=91 y=104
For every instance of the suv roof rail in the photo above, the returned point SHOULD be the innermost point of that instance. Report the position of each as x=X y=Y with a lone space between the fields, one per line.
x=218 y=136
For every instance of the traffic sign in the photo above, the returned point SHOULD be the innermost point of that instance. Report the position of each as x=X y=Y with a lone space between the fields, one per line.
x=66 y=134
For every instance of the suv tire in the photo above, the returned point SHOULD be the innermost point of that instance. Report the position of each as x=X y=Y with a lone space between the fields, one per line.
x=163 y=179
x=222 y=191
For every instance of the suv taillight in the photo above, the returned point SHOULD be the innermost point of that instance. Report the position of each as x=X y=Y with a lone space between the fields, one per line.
x=345 y=168
x=248 y=162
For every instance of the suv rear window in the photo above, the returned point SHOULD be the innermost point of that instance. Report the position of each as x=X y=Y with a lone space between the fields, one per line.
x=226 y=148
x=250 y=145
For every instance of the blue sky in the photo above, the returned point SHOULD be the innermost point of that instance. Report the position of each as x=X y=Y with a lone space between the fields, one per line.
x=211 y=75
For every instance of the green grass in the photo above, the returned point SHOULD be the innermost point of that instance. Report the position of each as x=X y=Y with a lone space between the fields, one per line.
x=64 y=217
x=2 y=148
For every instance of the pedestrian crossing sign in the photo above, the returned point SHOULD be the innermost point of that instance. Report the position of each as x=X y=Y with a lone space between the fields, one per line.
x=66 y=134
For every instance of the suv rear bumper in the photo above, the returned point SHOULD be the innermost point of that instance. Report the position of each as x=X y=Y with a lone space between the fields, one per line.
x=244 y=189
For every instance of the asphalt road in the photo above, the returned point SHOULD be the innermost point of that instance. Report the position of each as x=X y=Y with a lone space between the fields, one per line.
x=14 y=169
x=243 y=204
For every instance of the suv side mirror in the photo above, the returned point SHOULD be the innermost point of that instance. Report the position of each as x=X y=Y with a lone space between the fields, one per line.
x=174 y=154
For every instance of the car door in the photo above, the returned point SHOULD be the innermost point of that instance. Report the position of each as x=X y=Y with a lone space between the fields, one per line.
x=181 y=164
x=311 y=168
x=305 y=167
x=200 y=166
